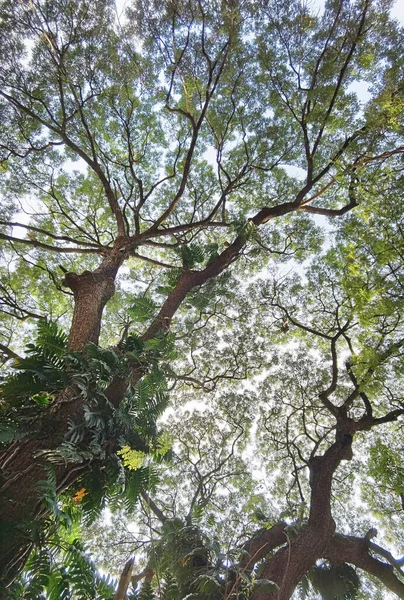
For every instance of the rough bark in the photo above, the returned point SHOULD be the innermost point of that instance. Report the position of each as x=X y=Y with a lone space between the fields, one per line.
x=304 y=546
x=21 y=465
x=91 y=293
x=290 y=563
x=92 y=290
x=261 y=544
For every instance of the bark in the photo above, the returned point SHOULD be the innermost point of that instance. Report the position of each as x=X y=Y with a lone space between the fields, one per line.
x=290 y=563
x=92 y=290
x=356 y=551
x=261 y=544
x=307 y=544
x=322 y=469
x=22 y=467
x=124 y=580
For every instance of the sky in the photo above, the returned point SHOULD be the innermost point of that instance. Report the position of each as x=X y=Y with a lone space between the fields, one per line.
x=397 y=11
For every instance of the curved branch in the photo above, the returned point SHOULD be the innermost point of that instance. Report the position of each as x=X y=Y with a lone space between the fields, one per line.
x=355 y=550
x=37 y=244
x=396 y=562
x=261 y=544
x=153 y=261
x=330 y=212
x=8 y=353
x=159 y=513
x=124 y=580
x=63 y=238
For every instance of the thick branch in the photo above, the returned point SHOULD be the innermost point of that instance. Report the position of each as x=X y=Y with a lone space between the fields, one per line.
x=322 y=469
x=330 y=212
x=355 y=550
x=124 y=580
x=261 y=543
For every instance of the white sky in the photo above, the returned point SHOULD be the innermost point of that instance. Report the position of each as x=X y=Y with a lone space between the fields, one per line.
x=397 y=11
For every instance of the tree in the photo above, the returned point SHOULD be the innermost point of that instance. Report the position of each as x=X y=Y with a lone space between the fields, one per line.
x=316 y=400
x=154 y=155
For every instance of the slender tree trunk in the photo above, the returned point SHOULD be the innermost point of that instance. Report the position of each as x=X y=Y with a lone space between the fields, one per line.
x=124 y=580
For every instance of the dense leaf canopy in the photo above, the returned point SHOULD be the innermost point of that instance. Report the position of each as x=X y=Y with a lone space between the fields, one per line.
x=201 y=300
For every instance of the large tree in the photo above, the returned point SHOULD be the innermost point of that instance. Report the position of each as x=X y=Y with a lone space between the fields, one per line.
x=148 y=165
x=324 y=483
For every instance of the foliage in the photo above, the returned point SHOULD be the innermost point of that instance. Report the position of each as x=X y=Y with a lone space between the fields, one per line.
x=338 y=582
x=62 y=570
x=204 y=197
x=50 y=367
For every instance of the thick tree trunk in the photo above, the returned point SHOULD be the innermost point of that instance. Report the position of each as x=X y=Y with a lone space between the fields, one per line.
x=291 y=562
x=92 y=290
x=21 y=467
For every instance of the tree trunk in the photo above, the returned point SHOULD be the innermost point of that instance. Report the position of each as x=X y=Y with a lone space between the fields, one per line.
x=291 y=562
x=92 y=290
x=124 y=580
x=21 y=467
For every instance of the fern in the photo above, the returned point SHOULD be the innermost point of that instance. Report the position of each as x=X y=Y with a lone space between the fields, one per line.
x=50 y=338
x=132 y=345
x=335 y=581
x=142 y=309
x=146 y=592
x=37 y=571
x=142 y=479
x=47 y=489
x=169 y=588
x=53 y=571
x=191 y=254
x=62 y=571
x=304 y=588
x=58 y=587
x=42 y=370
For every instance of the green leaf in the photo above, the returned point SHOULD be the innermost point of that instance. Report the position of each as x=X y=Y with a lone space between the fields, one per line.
x=265 y=585
x=142 y=309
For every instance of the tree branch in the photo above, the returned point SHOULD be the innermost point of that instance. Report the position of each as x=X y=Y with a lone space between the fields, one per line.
x=124 y=580
x=355 y=550
x=37 y=244
x=153 y=506
x=261 y=544
x=9 y=354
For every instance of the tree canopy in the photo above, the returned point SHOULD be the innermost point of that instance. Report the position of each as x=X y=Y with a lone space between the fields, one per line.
x=201 y=299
